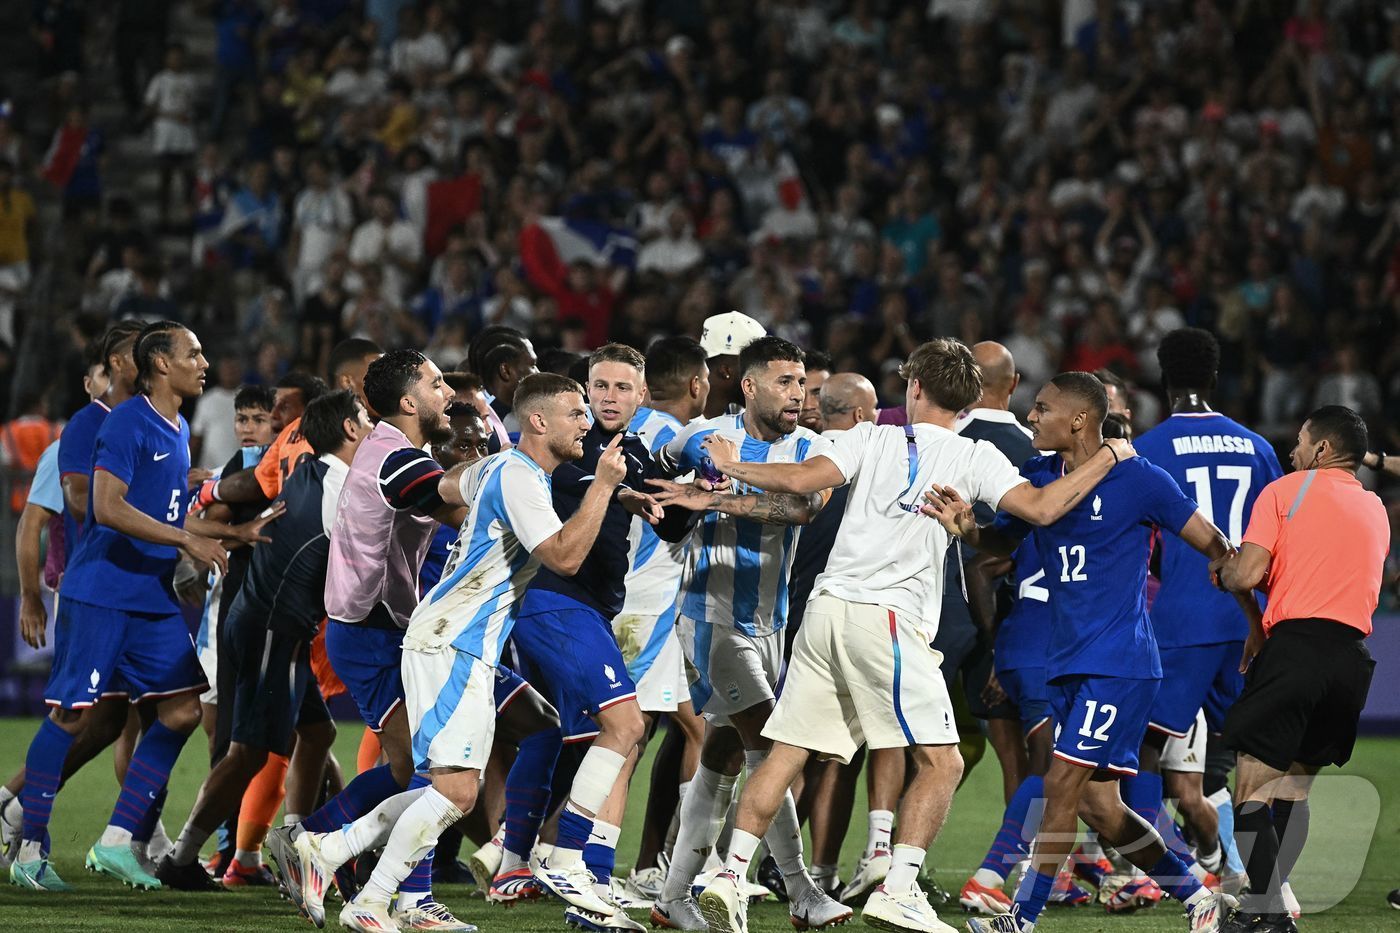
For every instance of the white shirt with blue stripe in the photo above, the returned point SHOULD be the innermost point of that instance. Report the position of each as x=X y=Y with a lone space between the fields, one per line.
x=654 y=566
x=472 y=608
x=737 y=572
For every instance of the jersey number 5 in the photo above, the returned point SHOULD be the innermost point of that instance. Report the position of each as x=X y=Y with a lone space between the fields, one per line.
x=173 y=513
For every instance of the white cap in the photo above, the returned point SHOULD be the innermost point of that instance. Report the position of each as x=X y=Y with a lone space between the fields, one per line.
x=726 y=334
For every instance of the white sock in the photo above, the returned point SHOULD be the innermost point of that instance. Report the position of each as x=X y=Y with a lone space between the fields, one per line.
x=510 y=861
x=6 y=796
x=823 y=871
x=30 y=850
x=741 y=851
x=416 y=831
x=500 y=838
x=160 y=844
x=248 y=859
x=368 y=832
x=702 y=818
x=1200 y=895
x=592 y=784
x=784 y=836
x=1211 y=861
x=671 y=830
x=115 y=836
x=292 y=819
x=904 y=869
x=878 y=835
x=988 y=878
x=187 y=847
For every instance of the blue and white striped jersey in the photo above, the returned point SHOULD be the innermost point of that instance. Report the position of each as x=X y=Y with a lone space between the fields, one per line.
x=737 y=571
x=654 y=566
x=473 y=606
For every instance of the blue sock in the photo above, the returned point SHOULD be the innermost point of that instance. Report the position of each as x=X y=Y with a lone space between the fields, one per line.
x=1032 y=894
x=1226 y=811
x=600 y=860
x=147 y=829
x=1176 y=840
x=43 y=772
x=147 y=775
x=1142 y=792
x=1012 y=841
x=363 y=794
x=1172 y=876
x=574 y=829
x=527 y=789
x=221 y=838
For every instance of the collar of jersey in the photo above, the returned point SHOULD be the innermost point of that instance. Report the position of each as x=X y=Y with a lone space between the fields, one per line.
x=173 y=425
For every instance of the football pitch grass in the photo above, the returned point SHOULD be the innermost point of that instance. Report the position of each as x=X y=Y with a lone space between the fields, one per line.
x=1350 y=863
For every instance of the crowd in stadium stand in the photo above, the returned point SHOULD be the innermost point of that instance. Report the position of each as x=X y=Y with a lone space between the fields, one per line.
x=1074 y=179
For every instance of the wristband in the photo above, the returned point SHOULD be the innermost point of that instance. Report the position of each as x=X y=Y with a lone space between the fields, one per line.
x=208 y=493
x=1110 y=449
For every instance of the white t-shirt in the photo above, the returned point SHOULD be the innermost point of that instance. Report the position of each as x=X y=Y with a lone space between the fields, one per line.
x=213 y=421
x=884 y=554
x=323 y=218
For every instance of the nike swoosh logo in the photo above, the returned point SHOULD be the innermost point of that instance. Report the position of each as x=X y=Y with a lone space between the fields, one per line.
x=1087 y=748
x=49 y=796
x=588 y=477
x=159 y=457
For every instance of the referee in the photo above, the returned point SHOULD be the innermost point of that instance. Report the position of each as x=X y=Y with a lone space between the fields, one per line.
x=1316 y=544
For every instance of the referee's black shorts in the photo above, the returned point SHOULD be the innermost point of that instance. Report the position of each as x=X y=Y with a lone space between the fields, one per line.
x=274 y=691
x=1303 y=695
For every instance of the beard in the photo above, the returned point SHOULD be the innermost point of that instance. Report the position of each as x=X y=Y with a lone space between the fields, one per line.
x=773 y=421
x=566 y=448
x=436 y=430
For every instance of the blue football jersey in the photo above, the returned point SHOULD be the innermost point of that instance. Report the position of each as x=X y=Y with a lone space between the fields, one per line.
x=151 y=455
x=1222 y=465
x=1095 y=561
x=1023 y=638
x=75 y=448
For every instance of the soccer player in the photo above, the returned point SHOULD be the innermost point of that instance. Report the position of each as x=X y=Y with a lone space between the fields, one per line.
x=268 y=633
x=733 y=608
x=1200 y=631
x=119 y=614
x=677 y=386
x=1102 y=664
x=863 y=669
x=1317 y=542
x=564 y=636
x=455 y=638
x=389 y=507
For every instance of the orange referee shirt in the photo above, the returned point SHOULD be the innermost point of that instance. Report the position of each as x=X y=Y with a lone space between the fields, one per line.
x=1328 y=536
x=272 y=471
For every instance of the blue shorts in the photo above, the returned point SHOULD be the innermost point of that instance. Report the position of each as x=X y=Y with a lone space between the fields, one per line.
x=366 y=659
x=508 y=687
x=1101 y=720
x=1196 y=677
x=570 y=648
x=108 y=652
x=1027 y=691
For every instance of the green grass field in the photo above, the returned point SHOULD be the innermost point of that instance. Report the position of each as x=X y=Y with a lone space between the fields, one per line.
x=1350 y=864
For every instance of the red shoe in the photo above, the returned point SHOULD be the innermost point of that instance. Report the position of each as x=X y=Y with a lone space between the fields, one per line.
x=238 y=876
x=980 y=899
x=215 y=866
x=1129 y=894
x=517 y=885
x=1066 y=893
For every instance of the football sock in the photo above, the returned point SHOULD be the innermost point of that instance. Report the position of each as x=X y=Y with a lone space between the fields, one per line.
x=596 y=775
x=261 y=801
x=1010 y=844
x=904 y=868
x=367 y=756
x=43 y=770
x=1173 y=877
x=527 y=792
x=187 y=847
x=370 y=831
x=418 y=886
x=1225 y=809
x=413 y=836
x=600 y=854
x=1291 y=819
x=702 y=818
x=1032 y=895
x=364 y=793
x=147 y=829
x=1258 y=842
x=880 y=827
x=146 y=776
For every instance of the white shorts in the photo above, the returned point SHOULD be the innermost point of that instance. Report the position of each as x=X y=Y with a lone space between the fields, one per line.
x=451 y=701
x=728 y=671
x=654 y=660
x=861 y=674
x=1187 y=754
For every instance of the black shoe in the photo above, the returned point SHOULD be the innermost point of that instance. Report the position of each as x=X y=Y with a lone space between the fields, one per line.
x=450 y=871
x=191 y=877
x=771 y=877
x=1393 y=898
x=1242 y=922
x=938 y=896
x=348 y=877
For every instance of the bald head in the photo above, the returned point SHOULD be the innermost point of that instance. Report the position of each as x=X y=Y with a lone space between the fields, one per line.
x=999 y=375
x=847 y=400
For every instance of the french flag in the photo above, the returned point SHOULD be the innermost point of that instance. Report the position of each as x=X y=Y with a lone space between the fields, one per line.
x=561 y=241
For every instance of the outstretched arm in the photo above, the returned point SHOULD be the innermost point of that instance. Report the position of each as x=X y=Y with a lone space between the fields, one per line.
x=803 y=478
x=773 y=508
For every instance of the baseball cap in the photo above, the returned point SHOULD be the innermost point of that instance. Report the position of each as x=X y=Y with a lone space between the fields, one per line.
x=726 y=334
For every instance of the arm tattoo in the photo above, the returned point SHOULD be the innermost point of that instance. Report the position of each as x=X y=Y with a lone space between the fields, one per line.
x=773 y=508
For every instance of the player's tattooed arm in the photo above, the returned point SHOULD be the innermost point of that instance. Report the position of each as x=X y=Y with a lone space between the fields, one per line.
x=772 y=508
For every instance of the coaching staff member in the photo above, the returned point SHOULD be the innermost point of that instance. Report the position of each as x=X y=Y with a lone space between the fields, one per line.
x=1316 y=545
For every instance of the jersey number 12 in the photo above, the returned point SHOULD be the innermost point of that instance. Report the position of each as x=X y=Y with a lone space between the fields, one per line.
x=1075 y=552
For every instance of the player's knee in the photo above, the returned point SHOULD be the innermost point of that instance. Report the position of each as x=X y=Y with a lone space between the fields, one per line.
x=319 y=735
x=626 y=725
x=69 y=720
x=180 y=714
x=460 y=789
x=940 y=763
